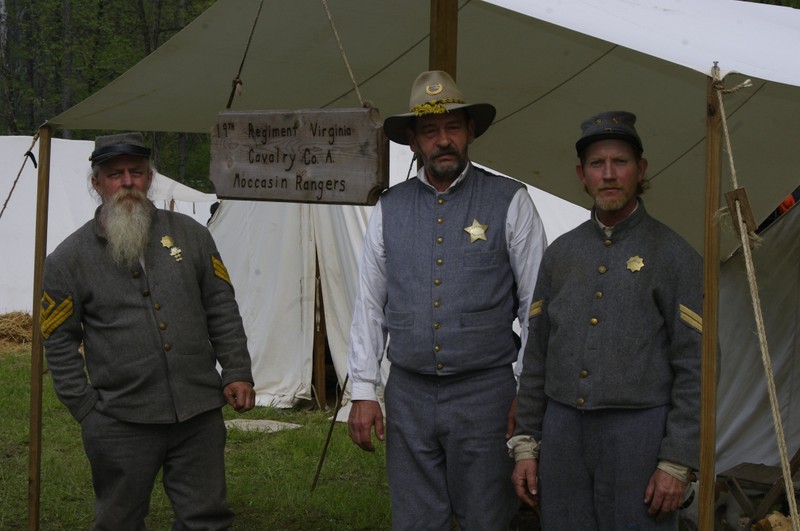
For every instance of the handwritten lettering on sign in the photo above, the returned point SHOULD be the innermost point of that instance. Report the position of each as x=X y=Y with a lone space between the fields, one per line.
x=305 y=156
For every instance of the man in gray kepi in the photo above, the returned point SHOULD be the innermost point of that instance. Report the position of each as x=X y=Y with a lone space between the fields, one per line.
x=146 y=293
x=610 y=386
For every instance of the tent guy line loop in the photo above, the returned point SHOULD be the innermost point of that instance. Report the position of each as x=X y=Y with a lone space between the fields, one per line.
x=237 y=81
x=344 y=55
x=28 y=154
x=746 y=239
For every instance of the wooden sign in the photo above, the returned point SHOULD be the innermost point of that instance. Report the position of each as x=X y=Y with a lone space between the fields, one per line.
x=305 y=156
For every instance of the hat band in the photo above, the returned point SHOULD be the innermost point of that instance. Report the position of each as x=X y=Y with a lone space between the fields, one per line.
x=120 y=149
x=434 y=107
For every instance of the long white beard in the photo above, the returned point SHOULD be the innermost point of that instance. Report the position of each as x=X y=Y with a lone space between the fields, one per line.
x=127 y=224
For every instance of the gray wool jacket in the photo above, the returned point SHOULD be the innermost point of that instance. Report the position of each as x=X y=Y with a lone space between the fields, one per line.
x=152 y=337
x=616 y=323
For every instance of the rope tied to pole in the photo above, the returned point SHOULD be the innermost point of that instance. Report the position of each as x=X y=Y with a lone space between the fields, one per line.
x=236 y=89
x=748 y=238
x=28 y=155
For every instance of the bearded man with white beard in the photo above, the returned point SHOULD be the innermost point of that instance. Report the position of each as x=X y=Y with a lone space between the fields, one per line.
x=146 y=293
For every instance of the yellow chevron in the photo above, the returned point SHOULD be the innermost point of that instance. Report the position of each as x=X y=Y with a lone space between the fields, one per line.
x=52 y=316
x=220 y=270
x=536 y=308
x=691 y=318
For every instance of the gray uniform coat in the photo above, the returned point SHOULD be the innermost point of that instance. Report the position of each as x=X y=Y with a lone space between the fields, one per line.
x=152 y=336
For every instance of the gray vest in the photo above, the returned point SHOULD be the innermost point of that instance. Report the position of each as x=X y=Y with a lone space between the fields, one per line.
x=451 y=295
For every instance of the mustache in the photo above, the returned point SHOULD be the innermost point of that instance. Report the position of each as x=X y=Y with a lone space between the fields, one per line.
x=444 y=151
x=122 y=195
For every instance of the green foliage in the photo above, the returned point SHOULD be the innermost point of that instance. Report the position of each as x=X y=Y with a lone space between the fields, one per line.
x=269 y=474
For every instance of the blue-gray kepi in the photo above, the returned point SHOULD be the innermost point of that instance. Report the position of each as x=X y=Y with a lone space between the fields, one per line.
x=109 y=146
x=609 y=125
x=435 y=92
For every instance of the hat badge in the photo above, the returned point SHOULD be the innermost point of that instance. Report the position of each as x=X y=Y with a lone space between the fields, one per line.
x=433 y=90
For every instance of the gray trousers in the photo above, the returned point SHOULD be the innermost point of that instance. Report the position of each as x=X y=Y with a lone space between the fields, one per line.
x=445 y=450
x=594 y=468
x=126 y=457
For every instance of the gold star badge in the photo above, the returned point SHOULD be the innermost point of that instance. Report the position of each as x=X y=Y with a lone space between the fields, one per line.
x=166 y=241
x=476 y=231
x=635 y=263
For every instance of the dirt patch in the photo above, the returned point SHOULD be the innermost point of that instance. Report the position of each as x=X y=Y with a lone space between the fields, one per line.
x=16 y=328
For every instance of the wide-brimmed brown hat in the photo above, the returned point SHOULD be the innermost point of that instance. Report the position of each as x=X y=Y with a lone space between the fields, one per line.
x=435 y=92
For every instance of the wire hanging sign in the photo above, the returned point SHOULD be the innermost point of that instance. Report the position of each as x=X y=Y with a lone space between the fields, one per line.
x=338 y=156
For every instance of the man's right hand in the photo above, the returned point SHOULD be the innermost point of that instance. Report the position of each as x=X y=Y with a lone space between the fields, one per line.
x=363 y=416
x=526 y=482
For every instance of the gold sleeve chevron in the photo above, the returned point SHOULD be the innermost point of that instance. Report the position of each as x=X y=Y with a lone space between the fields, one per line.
x=220 y=270
x=52 y=316
x=536 y=308
x=691 y=318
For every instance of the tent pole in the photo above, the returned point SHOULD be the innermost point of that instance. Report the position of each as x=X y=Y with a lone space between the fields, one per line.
x=443 y=51
x=708 y=403
x=40 y=249
x=320 y=336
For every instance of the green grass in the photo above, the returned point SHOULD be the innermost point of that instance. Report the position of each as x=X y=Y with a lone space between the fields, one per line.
x=269 y=474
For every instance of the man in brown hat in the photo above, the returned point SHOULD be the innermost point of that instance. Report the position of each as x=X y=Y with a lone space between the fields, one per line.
x=146 y=293
x=610 y=386
x=450 y=259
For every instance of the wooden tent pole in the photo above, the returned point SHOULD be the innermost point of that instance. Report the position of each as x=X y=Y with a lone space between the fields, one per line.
x=40 y=249
x=708 y=403
x=443 y=50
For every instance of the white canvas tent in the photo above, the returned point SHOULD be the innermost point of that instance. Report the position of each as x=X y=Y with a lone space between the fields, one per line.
x=71 y=205
x=744 y=424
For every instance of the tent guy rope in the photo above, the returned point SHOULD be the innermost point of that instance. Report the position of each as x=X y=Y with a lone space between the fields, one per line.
x=747 y=240
x=237 y=81
x=28 y=154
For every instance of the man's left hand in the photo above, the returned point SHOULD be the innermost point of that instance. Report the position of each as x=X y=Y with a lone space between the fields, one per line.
x=664 y=494
x=240 y=395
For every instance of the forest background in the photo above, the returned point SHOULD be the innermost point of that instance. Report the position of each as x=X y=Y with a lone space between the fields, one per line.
x=56 y=53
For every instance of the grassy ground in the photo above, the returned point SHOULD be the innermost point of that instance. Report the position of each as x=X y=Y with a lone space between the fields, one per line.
x=269 y=474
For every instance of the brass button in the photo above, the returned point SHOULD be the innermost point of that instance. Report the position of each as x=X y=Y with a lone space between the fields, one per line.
x=437 y=282
x=593 y=321
x=440 y=201
x=439 y=366
x=437 y=348
x=580 y=402
x=157 y=306
x=162 y=326
x=146 y=293
x=584 y=373
x=439 y=220
x=439 y=261
x=602 y=269
x=436 y=304
x=598 y=294
x=607 y=243
x=167 y=346
x=437 y=326
x=439 y=240
x=137 y=274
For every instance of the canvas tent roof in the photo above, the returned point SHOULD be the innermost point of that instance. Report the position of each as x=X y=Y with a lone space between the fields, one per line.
x=544 y=72
x=70 y=206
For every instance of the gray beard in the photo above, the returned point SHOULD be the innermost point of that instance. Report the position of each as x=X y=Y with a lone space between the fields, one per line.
x=127 y=225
